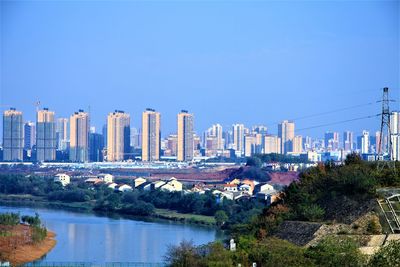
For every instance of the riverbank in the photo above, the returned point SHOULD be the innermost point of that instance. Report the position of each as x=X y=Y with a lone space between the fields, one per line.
x=164 y=214
x=17 y=248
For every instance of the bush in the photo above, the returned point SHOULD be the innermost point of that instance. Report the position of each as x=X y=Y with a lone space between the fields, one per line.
x=31 y=220
x=312 y=212
x=220 y=217
x=387 y=256
x=9 y=218
x=38 y=234
x=139 y=208
x=185 y=254
x=72 y=195
x=336 y=251
x=373 y=226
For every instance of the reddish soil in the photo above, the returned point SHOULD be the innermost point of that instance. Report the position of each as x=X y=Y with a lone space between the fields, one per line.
x=283 y=178
x=16 y=245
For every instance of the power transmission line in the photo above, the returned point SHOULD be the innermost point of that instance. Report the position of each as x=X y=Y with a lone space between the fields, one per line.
x=324 y=113
x=330 y=112
x=339 y=122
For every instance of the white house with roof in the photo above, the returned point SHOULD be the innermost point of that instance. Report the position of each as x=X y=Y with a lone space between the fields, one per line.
x=246 y=188
x=138 y=181
x=157 y=184
x=270 y=196
x=106 y=177
x=124 y=188
x=62 y=178
x=112 y=185
x=223 y=194
x=262 y=187
x=231 y=187
x=172 y=185
x=93 y=180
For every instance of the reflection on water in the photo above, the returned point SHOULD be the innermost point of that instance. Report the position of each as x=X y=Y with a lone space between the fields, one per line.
x=89 y=238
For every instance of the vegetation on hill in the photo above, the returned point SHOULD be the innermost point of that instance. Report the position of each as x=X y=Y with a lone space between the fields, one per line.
x=326 y=193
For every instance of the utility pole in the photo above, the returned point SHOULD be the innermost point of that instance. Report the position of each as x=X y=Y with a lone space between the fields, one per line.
x=385 y=125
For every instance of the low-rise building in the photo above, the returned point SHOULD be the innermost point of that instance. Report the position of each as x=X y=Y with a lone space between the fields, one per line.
x=247 y=185
x=112 y=185
x=231 y=187
x=106 y=178
x=246 y=188
x=139 y=181
x=173 y=185
x=92 y=180
x=262 y=187
x=270 y=196
x=123 y=188
x=221 y=195
x=157 y=184
x=62 y=178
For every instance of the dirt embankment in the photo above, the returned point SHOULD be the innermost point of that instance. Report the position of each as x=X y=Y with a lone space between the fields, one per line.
x=16 y=245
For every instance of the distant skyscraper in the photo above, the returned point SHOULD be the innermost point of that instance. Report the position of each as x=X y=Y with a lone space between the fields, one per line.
x=238 y=137
x=45 y=136
x=216 y=130
x=104 y=131
x=395 y=132
x=13 y=135
x=96 y=146
x=172 y=145
x=196 y=145
x=118 y=136
x=259 y=143
x=249 y=145
x=307 y=143
x=185 y=136
x=228 y=137
x=135 y=138
x=62 y=134
x=286 y=134
x=331 y=141
x=348 y=141
x=151 y=135
x=261 y=129
x=272 y=144
x=211 y=145
x=365 y=142
x=29 y=135
x=79 y=136
x=297 y=144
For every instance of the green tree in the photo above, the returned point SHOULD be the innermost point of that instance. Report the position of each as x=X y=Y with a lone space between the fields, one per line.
x=217 y=256
x=254 y=162
x=312 y=212
x=336 y=251
x=183 y=255
x=220 y=217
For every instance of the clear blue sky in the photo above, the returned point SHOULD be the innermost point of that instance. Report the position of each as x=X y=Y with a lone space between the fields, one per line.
x=251 y=62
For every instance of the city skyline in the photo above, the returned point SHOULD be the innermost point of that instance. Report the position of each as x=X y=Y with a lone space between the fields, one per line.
x=116 y=143
x=261 y=72
x=272 y=128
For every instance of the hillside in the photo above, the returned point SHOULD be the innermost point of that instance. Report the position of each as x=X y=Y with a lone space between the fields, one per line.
x=329 y=217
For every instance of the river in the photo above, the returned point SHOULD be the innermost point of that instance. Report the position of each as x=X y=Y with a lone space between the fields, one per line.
x=87 y=237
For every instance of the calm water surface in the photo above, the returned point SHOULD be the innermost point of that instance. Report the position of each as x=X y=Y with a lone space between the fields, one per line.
x=86 y=237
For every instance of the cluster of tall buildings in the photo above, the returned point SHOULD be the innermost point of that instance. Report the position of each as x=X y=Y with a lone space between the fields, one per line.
x=74 y=140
